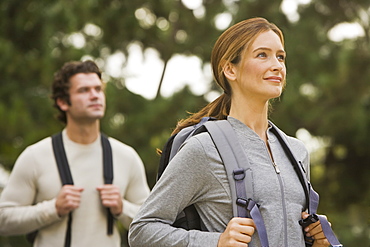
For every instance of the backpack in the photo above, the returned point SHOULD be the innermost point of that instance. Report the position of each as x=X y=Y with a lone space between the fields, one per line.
x=233 y=156
x=66 y=178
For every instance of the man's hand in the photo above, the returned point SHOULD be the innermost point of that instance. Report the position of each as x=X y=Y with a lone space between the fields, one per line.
x=315 y=231
x=238 y=232
x=68 y=199
x=111 y=198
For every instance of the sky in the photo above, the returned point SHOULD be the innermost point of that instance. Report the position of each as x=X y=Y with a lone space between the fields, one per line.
x=143 y=70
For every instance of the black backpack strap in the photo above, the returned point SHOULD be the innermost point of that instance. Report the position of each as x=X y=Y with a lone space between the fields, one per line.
x=297 y=167
x=65 y=176
x=61 y=159
x=312 y=197
x=165 y=156
x=108 y=176
x=189 y=219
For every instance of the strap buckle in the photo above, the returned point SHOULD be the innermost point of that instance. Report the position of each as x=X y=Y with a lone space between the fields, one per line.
x=247 y=203
x=243 y=202
x=239 y=174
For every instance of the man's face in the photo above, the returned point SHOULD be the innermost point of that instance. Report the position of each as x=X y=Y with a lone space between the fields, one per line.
x=87 y=98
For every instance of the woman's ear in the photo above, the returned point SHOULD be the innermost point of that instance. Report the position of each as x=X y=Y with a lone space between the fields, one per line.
x=229 y=71
x=62 y=104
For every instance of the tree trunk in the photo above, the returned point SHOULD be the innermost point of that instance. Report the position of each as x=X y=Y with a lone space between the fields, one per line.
x=161 y=80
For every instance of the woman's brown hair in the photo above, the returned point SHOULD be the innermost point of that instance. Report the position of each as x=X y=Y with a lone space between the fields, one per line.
x=229 y=48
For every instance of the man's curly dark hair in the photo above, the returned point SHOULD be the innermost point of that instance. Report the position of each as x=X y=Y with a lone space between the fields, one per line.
x=61 y=83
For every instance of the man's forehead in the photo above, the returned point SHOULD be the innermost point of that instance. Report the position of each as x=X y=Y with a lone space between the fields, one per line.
x=85 y=80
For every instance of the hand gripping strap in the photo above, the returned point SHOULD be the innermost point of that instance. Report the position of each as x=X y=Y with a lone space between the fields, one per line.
x=233 y=157
x=326 y=228
x=258 y=221
x=328 y=232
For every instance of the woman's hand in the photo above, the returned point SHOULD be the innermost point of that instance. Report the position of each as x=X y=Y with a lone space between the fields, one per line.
x=315 y=231
x=238 y=232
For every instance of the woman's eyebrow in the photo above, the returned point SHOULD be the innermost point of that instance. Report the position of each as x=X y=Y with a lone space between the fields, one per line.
x=266 y=48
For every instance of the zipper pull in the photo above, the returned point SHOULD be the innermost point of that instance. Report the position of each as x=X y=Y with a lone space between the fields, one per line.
x=276 y=168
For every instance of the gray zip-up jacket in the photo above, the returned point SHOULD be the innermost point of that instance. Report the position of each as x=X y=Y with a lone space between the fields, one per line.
x=197 y=176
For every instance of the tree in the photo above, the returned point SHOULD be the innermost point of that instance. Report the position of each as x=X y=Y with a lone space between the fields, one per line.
x=328 y=94
x=327 y=89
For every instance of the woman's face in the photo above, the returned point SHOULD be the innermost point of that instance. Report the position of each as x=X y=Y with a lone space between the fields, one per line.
x=261 y=72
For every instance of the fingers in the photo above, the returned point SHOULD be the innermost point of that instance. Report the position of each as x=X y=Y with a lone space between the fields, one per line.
x=321 y=243
x=242 y=225
x=68 y=199
x=315 y=231
x=305 y=215
x=111 y=198
x=238 y=232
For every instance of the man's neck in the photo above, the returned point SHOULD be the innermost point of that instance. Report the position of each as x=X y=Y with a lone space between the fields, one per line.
x=83 y=134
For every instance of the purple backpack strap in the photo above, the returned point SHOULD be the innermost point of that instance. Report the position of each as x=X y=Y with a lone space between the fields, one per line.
x=236 y=166
x=326 y=228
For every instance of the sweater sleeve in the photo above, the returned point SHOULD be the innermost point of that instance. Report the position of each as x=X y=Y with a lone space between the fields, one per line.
x=182 y=184
x=137 y=188
x=18 y=213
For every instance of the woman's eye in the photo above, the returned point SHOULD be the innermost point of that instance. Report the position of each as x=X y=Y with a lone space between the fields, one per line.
x=262 y=54
x=281 y=57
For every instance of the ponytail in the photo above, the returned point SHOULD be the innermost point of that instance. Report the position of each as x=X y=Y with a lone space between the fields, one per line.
x=219 y=109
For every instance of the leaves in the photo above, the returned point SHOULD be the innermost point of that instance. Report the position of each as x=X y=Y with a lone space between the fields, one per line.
x=327 y=92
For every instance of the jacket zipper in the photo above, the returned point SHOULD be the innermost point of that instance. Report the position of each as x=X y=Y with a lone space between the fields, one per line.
x=277 y=171
x=284 y=209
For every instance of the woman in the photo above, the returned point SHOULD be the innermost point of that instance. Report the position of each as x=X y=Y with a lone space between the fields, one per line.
x=248 y=62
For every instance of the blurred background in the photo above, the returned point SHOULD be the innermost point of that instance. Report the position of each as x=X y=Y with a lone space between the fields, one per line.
x=155 y=57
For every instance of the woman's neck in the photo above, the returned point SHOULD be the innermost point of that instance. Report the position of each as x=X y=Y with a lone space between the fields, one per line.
x=253 y=115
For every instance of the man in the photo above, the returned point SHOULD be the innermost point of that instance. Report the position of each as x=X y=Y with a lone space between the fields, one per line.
x=34 y=198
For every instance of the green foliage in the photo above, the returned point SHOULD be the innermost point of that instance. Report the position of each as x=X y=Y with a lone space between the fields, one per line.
x=328 y=90
x=130 y=120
